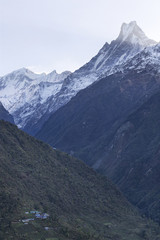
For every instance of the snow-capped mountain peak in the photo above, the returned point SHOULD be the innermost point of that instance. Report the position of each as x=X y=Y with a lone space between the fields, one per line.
x=132 y=33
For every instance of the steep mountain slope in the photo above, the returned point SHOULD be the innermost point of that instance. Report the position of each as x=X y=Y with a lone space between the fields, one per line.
x=31 y=98
x=4 y=114
x=81 y=203
x=132 y=157
x=86 y=126
x=24 y=93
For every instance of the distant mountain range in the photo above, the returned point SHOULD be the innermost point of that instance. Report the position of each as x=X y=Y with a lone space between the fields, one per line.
x=80 y=203
x=24 y=94
x=31 y=98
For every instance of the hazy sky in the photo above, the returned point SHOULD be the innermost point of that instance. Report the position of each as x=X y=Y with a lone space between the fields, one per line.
x=44 y=35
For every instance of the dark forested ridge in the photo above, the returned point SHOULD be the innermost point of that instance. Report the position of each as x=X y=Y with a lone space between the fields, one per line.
x=81 y=203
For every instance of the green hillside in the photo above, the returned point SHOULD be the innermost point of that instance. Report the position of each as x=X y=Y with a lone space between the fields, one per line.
x=81 y=204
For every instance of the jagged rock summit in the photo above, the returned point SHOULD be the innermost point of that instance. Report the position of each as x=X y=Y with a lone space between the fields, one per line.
x=133 y=33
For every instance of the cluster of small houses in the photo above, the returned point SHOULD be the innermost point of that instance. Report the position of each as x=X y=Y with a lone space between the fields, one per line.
x=37 y=214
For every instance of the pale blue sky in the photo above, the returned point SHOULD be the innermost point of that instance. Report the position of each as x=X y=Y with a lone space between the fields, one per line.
x=44 y=35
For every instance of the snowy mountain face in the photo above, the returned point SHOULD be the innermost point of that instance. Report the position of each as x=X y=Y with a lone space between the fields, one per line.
x=31 y=98
x=148 y=59
x=22 y=91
